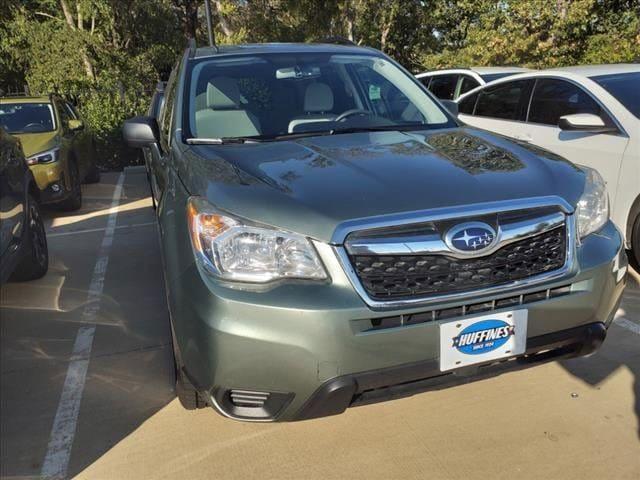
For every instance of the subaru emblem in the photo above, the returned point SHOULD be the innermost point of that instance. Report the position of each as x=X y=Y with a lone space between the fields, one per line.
x=472 y=237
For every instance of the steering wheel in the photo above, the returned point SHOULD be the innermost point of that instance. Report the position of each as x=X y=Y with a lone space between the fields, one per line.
x=351 y=113
x=32 y=126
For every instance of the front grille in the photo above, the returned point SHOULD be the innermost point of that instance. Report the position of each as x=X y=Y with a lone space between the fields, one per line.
x=404 y=276
x=395 y=321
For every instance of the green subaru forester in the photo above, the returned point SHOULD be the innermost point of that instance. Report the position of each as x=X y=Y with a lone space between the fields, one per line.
x=57 y=144
x=333 y=236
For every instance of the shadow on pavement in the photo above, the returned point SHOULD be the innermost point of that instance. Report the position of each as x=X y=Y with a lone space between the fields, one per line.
x=130 y=375
x=619 y=350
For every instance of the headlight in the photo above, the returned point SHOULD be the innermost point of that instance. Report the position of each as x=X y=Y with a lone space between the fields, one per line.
x=235 y=250
x=592 y=211
x=44 y=157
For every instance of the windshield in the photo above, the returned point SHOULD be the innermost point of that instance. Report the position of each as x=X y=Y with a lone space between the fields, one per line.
x=27 y=117
x=278 y=95
x=623 y=86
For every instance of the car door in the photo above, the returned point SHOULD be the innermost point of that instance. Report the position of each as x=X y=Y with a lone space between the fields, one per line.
x=66 y=135
x=159 y=164
x=555 y=97
x=12 y=194
x=500 y=108
x=82 y=141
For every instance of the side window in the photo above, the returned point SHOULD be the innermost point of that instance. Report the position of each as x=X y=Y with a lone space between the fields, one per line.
x=508 y=100
x=72 y=111
x=467 y=105
x=65 y=116
x=468 y=83
x=167 y=107
x=385 y=98
x=554 y=98
x=425 y=81
x=444 y=86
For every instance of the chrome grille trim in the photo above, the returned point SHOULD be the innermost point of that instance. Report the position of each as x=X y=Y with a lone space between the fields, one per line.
x=565 y=272
x=435 y=245
x=421 y=216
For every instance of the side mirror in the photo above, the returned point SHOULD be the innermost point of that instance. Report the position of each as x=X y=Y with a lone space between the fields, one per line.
x=451 y=106
x=584 y=122
x=139 y=132
x=75 y=125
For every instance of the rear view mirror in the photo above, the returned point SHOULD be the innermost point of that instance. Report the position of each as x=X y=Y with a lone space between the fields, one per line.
x=584 y=122
x=75 y=125
x=451 y=106
x=140 y=132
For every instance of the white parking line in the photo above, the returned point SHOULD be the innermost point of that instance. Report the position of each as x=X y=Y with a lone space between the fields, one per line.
x=628 y=324
x=56 y=461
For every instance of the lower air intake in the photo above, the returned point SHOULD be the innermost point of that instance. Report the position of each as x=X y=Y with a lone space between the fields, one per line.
x=246 y=398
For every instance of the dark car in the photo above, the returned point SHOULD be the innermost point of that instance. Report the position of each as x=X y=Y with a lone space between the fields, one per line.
x=332 y=236
x=23 y=243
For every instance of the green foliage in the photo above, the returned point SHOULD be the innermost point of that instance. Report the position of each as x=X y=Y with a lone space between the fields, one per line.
x=107 y=55
x=537 y=33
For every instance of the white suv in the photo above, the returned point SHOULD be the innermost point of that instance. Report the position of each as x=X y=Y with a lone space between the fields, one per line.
x=587 y=114
x=451 y=83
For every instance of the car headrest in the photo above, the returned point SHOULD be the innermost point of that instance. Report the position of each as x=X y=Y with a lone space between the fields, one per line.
x=318 y=98
x=223 y=94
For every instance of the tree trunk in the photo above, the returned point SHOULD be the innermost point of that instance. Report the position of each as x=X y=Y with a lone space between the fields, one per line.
x=190 y=18
x=88 y=66
x=80 y=18
x=67 y=14
x=224 y=24
x=349 y=19
x=384 y=35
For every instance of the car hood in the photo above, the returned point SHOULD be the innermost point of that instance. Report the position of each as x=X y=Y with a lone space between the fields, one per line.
x=312 y=185
x=33 y=143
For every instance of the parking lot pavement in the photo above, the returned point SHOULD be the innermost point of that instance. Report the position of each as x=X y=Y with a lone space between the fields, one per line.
x=86 y=386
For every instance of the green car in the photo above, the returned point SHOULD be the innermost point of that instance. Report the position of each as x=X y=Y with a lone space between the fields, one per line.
x=333 y=236
x=58 y=146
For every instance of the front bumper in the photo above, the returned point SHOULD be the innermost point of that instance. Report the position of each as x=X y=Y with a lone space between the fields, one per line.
x=336 y=395
x=311 y=349
x=52 y=181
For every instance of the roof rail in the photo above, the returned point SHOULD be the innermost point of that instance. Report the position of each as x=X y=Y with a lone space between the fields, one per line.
x=337 y=40
x=191 y=45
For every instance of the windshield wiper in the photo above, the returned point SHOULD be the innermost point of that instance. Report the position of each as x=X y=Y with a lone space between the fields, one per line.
x=223 y=140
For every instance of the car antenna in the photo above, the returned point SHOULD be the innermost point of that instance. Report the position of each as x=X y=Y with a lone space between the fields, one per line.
x=207 y=11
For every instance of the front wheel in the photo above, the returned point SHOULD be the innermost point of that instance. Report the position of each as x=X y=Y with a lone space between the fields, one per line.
x=635 y=244
x=93 y=176
x=35 y=263
x=74 y=201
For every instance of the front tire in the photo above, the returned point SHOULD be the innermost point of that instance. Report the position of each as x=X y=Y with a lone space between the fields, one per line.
x=74 y=202
x=93 y=176
x=634 y=256
x=35 y=263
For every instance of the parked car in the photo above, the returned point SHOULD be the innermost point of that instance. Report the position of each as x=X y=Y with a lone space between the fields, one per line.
x=57 y=143
x=449 y=84
x=332 y=236
x=589 y=115
x=23 y=242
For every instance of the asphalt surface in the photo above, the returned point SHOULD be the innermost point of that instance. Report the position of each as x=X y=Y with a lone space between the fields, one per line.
x=86 y=386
